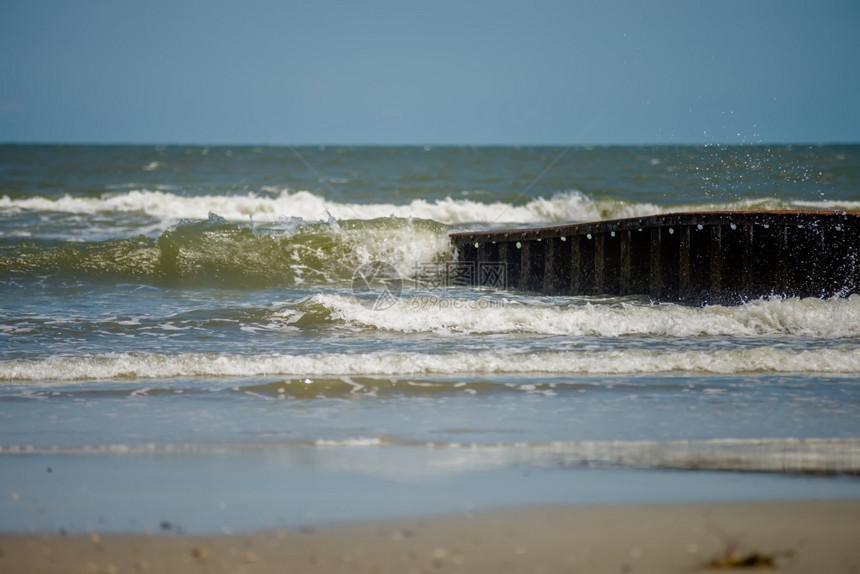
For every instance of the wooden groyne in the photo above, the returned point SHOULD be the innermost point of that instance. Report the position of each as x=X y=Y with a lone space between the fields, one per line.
x=694 y=258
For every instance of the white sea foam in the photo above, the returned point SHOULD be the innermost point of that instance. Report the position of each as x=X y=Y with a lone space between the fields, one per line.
x=572 y=206
x=400 y=245
x=447 y=315
x=832 y=360
x=278 y=204
x=829 y=205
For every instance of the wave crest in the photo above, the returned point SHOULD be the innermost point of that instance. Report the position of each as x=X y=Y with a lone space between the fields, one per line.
x=215 y=252
x=272 y=205
x=500 y=314
x=835 y=360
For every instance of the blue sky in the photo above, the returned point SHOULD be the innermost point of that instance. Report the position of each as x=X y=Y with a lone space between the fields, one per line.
x=440 y=72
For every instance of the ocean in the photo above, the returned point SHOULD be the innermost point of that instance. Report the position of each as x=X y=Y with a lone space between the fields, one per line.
x=186 y=341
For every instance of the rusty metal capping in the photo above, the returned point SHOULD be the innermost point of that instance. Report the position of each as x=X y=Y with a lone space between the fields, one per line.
x=689 y=257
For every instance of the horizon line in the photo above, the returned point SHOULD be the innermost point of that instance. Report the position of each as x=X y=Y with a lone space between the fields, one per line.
x=426 y=145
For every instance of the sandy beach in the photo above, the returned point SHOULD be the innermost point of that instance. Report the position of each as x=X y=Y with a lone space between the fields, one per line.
x=819 y=536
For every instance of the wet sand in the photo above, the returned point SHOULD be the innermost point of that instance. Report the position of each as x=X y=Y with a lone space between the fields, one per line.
x=814 y=536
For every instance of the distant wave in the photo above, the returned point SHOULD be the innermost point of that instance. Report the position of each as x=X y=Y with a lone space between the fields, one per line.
x=278 y=204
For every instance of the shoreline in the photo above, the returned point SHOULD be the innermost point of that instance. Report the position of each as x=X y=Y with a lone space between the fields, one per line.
x=793 y=536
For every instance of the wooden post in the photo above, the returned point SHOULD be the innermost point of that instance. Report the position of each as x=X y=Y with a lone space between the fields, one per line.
x=715 y=263
x=531 y=266
x=625 y=279
x=599 y=263
x=510 y=256
x=656 y=280
x=748 y=264
x=781 y=286
x=556 y=277
x=576 y=275
x=685 y=266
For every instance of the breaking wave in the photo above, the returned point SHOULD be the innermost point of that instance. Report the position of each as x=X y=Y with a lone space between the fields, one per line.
x=272 y=205
x=586 y=361
x=215 y=252
x=810 y=318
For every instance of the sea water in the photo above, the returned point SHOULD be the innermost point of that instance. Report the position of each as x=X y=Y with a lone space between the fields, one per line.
x=183 y=340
